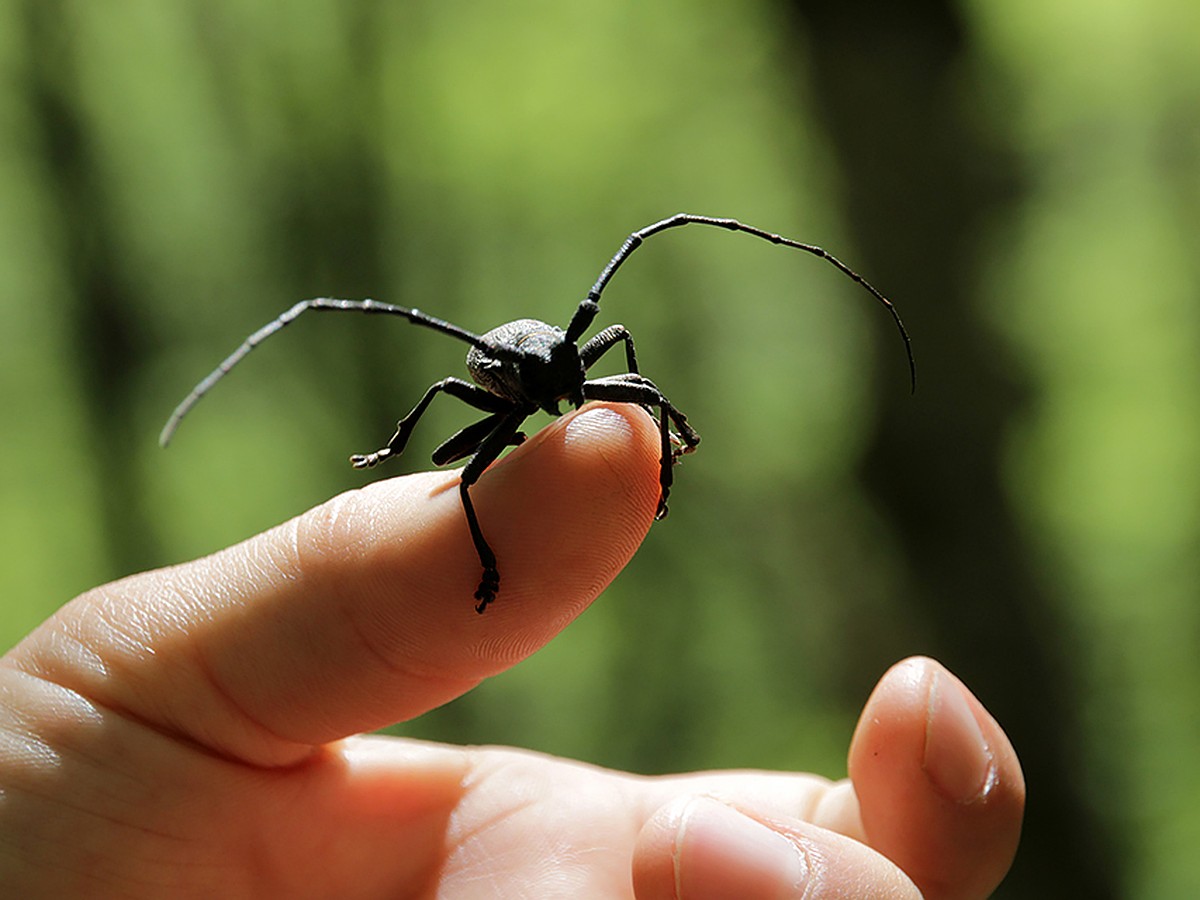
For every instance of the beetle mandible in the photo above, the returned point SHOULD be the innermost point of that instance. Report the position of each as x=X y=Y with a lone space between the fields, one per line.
x=525 y=366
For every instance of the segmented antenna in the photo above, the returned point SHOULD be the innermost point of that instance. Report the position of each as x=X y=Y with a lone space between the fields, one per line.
x=635 y=240
x=320 y=303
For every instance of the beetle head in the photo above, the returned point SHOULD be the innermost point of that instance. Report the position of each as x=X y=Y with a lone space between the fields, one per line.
x=553 y=373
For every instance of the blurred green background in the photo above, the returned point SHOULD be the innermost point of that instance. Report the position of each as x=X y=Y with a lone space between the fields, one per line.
x=1022 y=178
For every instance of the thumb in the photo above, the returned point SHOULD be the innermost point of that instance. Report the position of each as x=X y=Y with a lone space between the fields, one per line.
x=359 y=613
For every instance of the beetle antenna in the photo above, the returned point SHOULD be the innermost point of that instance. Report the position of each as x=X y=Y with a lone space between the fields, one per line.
x=320 y=303
x=587 y=310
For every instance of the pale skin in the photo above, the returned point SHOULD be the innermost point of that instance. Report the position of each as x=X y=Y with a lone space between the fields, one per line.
x=197 y=731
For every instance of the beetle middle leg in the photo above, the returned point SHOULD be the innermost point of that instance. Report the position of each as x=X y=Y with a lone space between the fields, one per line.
x=504 y=434
x=463 y=443
x=634 y=388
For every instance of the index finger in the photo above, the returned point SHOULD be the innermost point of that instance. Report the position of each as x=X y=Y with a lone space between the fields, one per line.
x=359 y=613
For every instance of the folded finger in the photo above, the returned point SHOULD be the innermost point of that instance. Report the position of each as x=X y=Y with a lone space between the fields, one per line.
x=698 y=848
x=938 y=784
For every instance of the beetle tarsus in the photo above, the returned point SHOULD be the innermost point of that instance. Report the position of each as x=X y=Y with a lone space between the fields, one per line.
x=682 y=446
x=489 y=586
x=369 y=460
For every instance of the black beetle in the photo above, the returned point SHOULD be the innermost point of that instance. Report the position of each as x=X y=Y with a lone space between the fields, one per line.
x=525 y=366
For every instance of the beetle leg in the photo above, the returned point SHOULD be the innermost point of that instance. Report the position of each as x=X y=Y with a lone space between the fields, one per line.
x=455 y=387
x=490 y=449
x=634 y=388
x=463 y=443
x=604 y=341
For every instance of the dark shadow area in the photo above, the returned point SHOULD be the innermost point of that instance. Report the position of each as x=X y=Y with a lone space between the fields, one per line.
x=893 y=86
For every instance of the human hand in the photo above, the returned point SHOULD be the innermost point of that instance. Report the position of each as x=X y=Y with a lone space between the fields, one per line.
x=191 y=732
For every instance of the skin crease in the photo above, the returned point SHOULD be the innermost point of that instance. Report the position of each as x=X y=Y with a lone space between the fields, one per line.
x=196 y=731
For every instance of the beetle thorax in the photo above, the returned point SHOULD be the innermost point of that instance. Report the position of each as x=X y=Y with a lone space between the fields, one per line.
x=532 y=363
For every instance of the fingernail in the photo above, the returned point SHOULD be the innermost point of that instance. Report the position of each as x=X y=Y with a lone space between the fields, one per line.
x=957 y=757
x=721 y=853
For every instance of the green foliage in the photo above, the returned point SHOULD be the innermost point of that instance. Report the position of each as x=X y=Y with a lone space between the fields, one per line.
x=1096 y=281
x=173 y=175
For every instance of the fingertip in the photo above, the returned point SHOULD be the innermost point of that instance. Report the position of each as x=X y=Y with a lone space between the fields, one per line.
x=564 y=513
x=586 y=481
x=939 y=785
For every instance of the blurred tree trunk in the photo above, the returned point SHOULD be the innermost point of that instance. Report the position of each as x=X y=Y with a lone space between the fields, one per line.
x=892 y=85
x=108 y=345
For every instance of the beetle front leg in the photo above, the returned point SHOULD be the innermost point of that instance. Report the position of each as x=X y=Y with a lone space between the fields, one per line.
x=605 y=341
x=633 y=388
x=455 y=387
